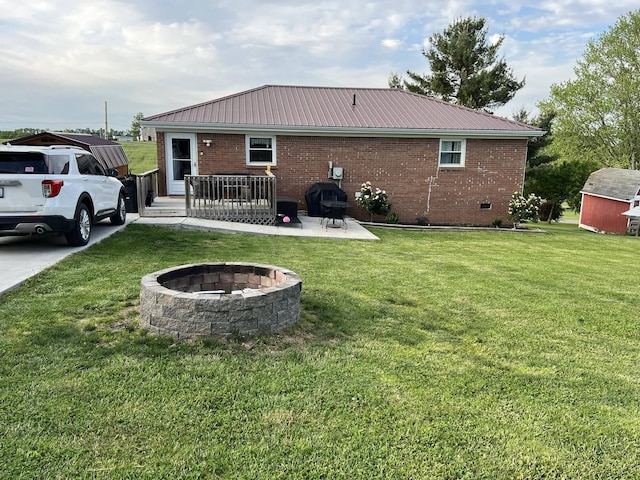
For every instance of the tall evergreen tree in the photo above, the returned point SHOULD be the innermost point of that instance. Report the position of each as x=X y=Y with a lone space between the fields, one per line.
x=465 y=68
x=537 y=148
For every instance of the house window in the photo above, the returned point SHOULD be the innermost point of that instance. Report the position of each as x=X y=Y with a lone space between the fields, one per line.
x=452 y=153
x=261 y=150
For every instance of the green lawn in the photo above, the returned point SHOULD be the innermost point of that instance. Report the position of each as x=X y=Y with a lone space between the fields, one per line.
x=424 y=355
x=142 y=156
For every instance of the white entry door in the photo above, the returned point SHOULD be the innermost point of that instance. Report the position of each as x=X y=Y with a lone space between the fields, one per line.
x=182 y=159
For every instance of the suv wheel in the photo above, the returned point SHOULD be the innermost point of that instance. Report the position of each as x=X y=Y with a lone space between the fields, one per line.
x=81 y=232
x=120 y=216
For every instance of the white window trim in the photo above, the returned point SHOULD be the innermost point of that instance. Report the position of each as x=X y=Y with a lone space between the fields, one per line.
x=463 y=151
x=248 y=138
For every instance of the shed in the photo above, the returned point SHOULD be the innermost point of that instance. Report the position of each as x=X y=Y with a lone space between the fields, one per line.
x=110 y=154
x=607 y=194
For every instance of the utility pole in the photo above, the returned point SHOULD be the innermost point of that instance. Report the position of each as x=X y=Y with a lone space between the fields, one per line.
x=106 y=124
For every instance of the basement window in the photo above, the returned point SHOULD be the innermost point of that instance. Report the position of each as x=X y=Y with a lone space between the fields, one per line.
x=261 y=150
x=452 y=152
x=485 y=206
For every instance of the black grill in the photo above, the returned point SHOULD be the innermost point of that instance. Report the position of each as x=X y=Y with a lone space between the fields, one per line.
x=319 y=191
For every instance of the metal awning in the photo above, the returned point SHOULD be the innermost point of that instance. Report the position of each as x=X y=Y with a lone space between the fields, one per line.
x=634 y=212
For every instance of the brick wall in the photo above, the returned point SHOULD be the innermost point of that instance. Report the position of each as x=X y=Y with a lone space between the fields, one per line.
x=407 y=168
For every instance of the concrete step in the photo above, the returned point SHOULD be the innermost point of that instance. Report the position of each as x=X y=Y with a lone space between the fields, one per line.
x=163 y=212
x=165 y=207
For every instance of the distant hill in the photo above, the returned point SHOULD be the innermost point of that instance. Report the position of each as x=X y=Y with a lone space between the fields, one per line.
x=142 y=156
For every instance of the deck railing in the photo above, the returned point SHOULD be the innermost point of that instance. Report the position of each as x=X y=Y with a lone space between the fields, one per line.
x=146 y=188
x=232 y=198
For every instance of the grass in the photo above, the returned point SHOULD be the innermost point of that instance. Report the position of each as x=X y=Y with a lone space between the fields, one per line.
x=568 y=213
x=425 y=355
x=142 y=156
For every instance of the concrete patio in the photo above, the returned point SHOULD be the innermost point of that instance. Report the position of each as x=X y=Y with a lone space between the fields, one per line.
x=171 y=212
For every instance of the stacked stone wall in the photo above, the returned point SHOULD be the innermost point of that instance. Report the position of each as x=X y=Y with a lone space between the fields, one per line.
x=222 y=299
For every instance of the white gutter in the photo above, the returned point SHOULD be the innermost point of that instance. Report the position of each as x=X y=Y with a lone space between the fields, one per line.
x=627 y=200
x=338 y=131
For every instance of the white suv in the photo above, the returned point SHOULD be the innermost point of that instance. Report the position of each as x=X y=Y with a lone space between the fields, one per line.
x=56 y=189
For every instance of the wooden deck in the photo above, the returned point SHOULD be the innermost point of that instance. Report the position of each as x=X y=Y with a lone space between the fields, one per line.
x=241 y=198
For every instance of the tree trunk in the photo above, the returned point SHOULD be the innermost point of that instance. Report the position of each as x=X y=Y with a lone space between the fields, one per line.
x=553 y=206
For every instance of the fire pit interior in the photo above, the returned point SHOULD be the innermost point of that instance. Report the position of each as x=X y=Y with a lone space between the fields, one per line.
x=223 y=299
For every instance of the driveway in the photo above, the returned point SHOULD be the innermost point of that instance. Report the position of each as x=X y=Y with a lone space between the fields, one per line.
x=23 y=257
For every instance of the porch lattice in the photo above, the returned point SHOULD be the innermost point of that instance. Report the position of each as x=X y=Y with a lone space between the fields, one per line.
x=232 y=198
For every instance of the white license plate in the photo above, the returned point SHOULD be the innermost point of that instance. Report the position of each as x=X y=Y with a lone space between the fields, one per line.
x=1 y=192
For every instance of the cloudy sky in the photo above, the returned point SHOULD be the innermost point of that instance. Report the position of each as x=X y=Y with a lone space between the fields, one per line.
x=62 y=59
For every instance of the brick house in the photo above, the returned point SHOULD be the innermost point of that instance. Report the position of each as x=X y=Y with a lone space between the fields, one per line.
x=448 y=163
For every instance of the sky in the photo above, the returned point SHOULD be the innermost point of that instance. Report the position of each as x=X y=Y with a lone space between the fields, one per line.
x=62 y=61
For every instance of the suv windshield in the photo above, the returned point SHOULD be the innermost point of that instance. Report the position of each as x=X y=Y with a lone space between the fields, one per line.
x=23 y=162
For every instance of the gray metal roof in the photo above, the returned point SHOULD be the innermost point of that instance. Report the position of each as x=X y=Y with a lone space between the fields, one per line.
x=84 y=138
x=615 y=183
x=337 y=110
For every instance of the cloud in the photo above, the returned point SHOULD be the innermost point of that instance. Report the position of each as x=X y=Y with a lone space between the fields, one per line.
x=63 y=58
x=391 y=43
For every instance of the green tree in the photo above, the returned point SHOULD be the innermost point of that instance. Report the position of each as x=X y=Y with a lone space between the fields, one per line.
x=395 y=81
x=598 y=113
x=556 y=181
x=538 y=147
x=465 y=68
x=135 y=125
x=559 y=181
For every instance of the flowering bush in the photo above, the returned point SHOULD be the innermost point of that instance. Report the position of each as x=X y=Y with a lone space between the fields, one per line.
x=375 y=202
x=524 y=209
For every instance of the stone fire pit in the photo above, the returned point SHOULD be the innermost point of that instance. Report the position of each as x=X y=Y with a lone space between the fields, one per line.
x=224 y=299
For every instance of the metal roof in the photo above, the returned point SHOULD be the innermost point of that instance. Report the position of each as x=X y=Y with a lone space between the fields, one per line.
x=109 y=153
x=85 y=138
x=340 y=111
x=614 y=183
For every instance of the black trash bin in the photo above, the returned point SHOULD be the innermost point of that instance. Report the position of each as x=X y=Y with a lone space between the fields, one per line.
x=130 y=193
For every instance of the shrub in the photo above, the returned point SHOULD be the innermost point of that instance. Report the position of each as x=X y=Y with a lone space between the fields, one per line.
x=549 y=211
x=523 y=209
x=424 y=221
x=376 y=202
